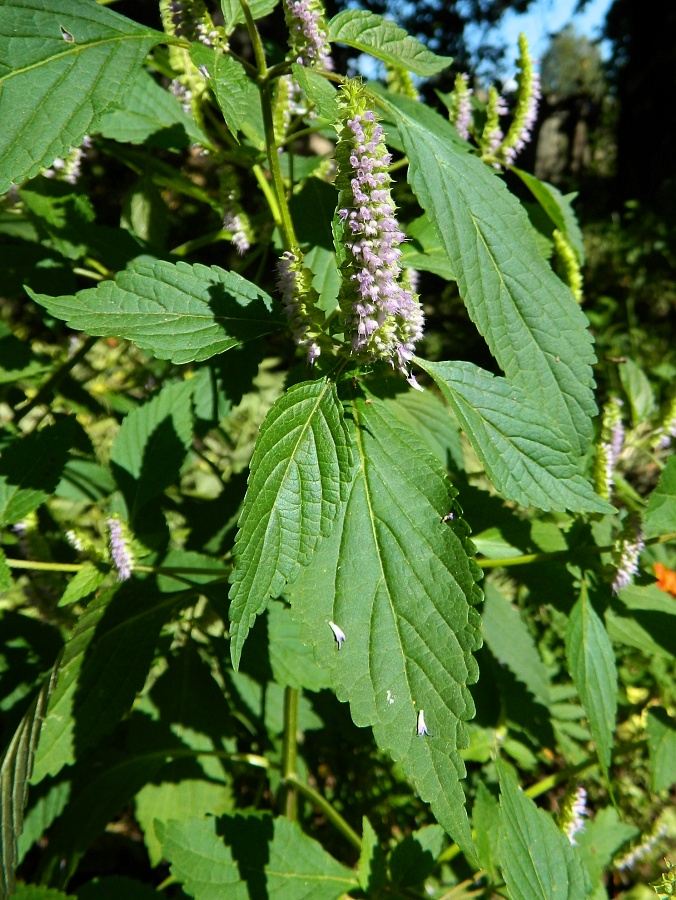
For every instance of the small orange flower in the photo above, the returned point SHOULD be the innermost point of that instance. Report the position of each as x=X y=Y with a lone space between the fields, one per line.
x=666 y=579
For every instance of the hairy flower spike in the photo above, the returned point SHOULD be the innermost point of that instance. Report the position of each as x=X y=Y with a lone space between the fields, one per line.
x=399 y=81
x=460 y=110
x=666 y=431
x=571 y=266
x=309 y=33
x=68 y=168
x=235 y=219
x=189 y=19
x=383 y=318
x=300 y=302
x=525 y=114
x=628 y=549
x=492 y=135
x=120 y=551
x=573 y=813
x=609 y=448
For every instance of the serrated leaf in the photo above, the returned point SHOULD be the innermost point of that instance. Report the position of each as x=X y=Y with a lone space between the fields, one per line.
x=15 y=771
x=300 y=472
x=292 y=662
x=385 y=40
x=17 y=360
x=486 y=822
x=236 y=94
x=103 y=665
x=414 y=858
x=319 y=90
x=558 y=208
x=234 y=15
x=638 y=389
x=661 y=729
x=424 y=250
x=525 y=456
x=74 y=60
x=399 y=583
x=601 y=839
x=179 y=312
x=150 y=115
x=591 y=662
x=660 y=514
x=371 y=868
x=512 y=644
x=152 y=444
x=430 y=419
x=231 y=855
x=537 y=860
x=50 y=803
x=30 y=468
x=83 y=583
x=529 y=318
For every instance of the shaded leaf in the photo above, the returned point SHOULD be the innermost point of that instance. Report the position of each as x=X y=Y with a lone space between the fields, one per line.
x=400 y=585
x=414 y=858
x=662 y=746
x=244 y=857
x=529 y=318
x=17 y=360
x=75 y=60
x=601 y=839
x=558 y=208
x=236 y=94
x=233 y=14
x=114 y=887
x=591 y=662
x=385 y=40
x=83 y=583
x=660 y=514
x=537 y=860
x=293 y=662
x=300 y=471
x=319 y=90
x=179 y=312
x=525 y=456
x=430 y=419
x=486 y=821
x=371 y=867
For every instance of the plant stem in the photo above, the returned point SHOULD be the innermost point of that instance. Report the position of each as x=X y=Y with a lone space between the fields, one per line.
x=36 y=565
x=289 y=752
x=323 y=805
x=45 y=392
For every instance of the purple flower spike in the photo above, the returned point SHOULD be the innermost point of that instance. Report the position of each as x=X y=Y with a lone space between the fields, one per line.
x=120 y=552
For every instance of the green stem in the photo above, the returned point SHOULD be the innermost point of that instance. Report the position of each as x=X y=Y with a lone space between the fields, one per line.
x=323 y=805
x=36 y=565
x=289 y=752
x=44 y=393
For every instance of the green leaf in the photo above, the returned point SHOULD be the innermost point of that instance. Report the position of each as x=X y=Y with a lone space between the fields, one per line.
x=529 y=318
x=525 y=456
x=17 y=360
x=660 y=514
x=83 y=583
x=371 y=860
x=662 y=747
x=638 y=389
x=512 y=644
x=50 y=803
x=237 y=96
x=486 y=821
x=319 y=90
x=151 y=445
x=104 y=664
x=233 y=14
x=292 y=662
x=430 y=419
x=5 y=572
x=591 y=662
x=179 y=312
x=600 y=840
x=398 y=581
x=15 y=771
x=178 y=801
x=537 y=860
x=37 y=892
x=235 y=856
x=380 y=37
x=30 y=468
x=424 y=250
x=75 y=60
x=150 y=115
x=414 y=858
x=558 y=207
x=300 y=472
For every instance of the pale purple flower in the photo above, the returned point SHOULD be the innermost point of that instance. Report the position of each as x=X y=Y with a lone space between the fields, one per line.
x=627 y=557
x=386 y=320
x=233 y=222
x=525 y=132
x=192 y=22
x=289 y=285
x=338 y=633
x=629 y=860
x=462 y=113
x=575 y=815
x=120 y=552
x=309 y=35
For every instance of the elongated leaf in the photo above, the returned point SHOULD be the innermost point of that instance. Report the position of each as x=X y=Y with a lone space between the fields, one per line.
x=16 y=358
x=385 y=40
x=486 y=821
x=178 y=312
x=300 y=472
x=74 y=59
x=398 y=582
x=5 y=572
x=152 y=116
x=532 y=324
x=15 y=772
x=319 y=90
x=601 y=839
x=426 y=414
x=151 y=445
x=234 y=15
x=235 y=856
x=662 y=747
x=526 y=457
x=38 y=892
x=424 y=250
x=30 y=469
x=591 y=661
x=511 y=643
x=660 y=514
x=558 y=208
x=82 y=584
x=103 y=665
x=537 y=860
x=236 y=94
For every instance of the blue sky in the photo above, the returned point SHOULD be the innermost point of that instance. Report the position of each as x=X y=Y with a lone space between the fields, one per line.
x=544 y=18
